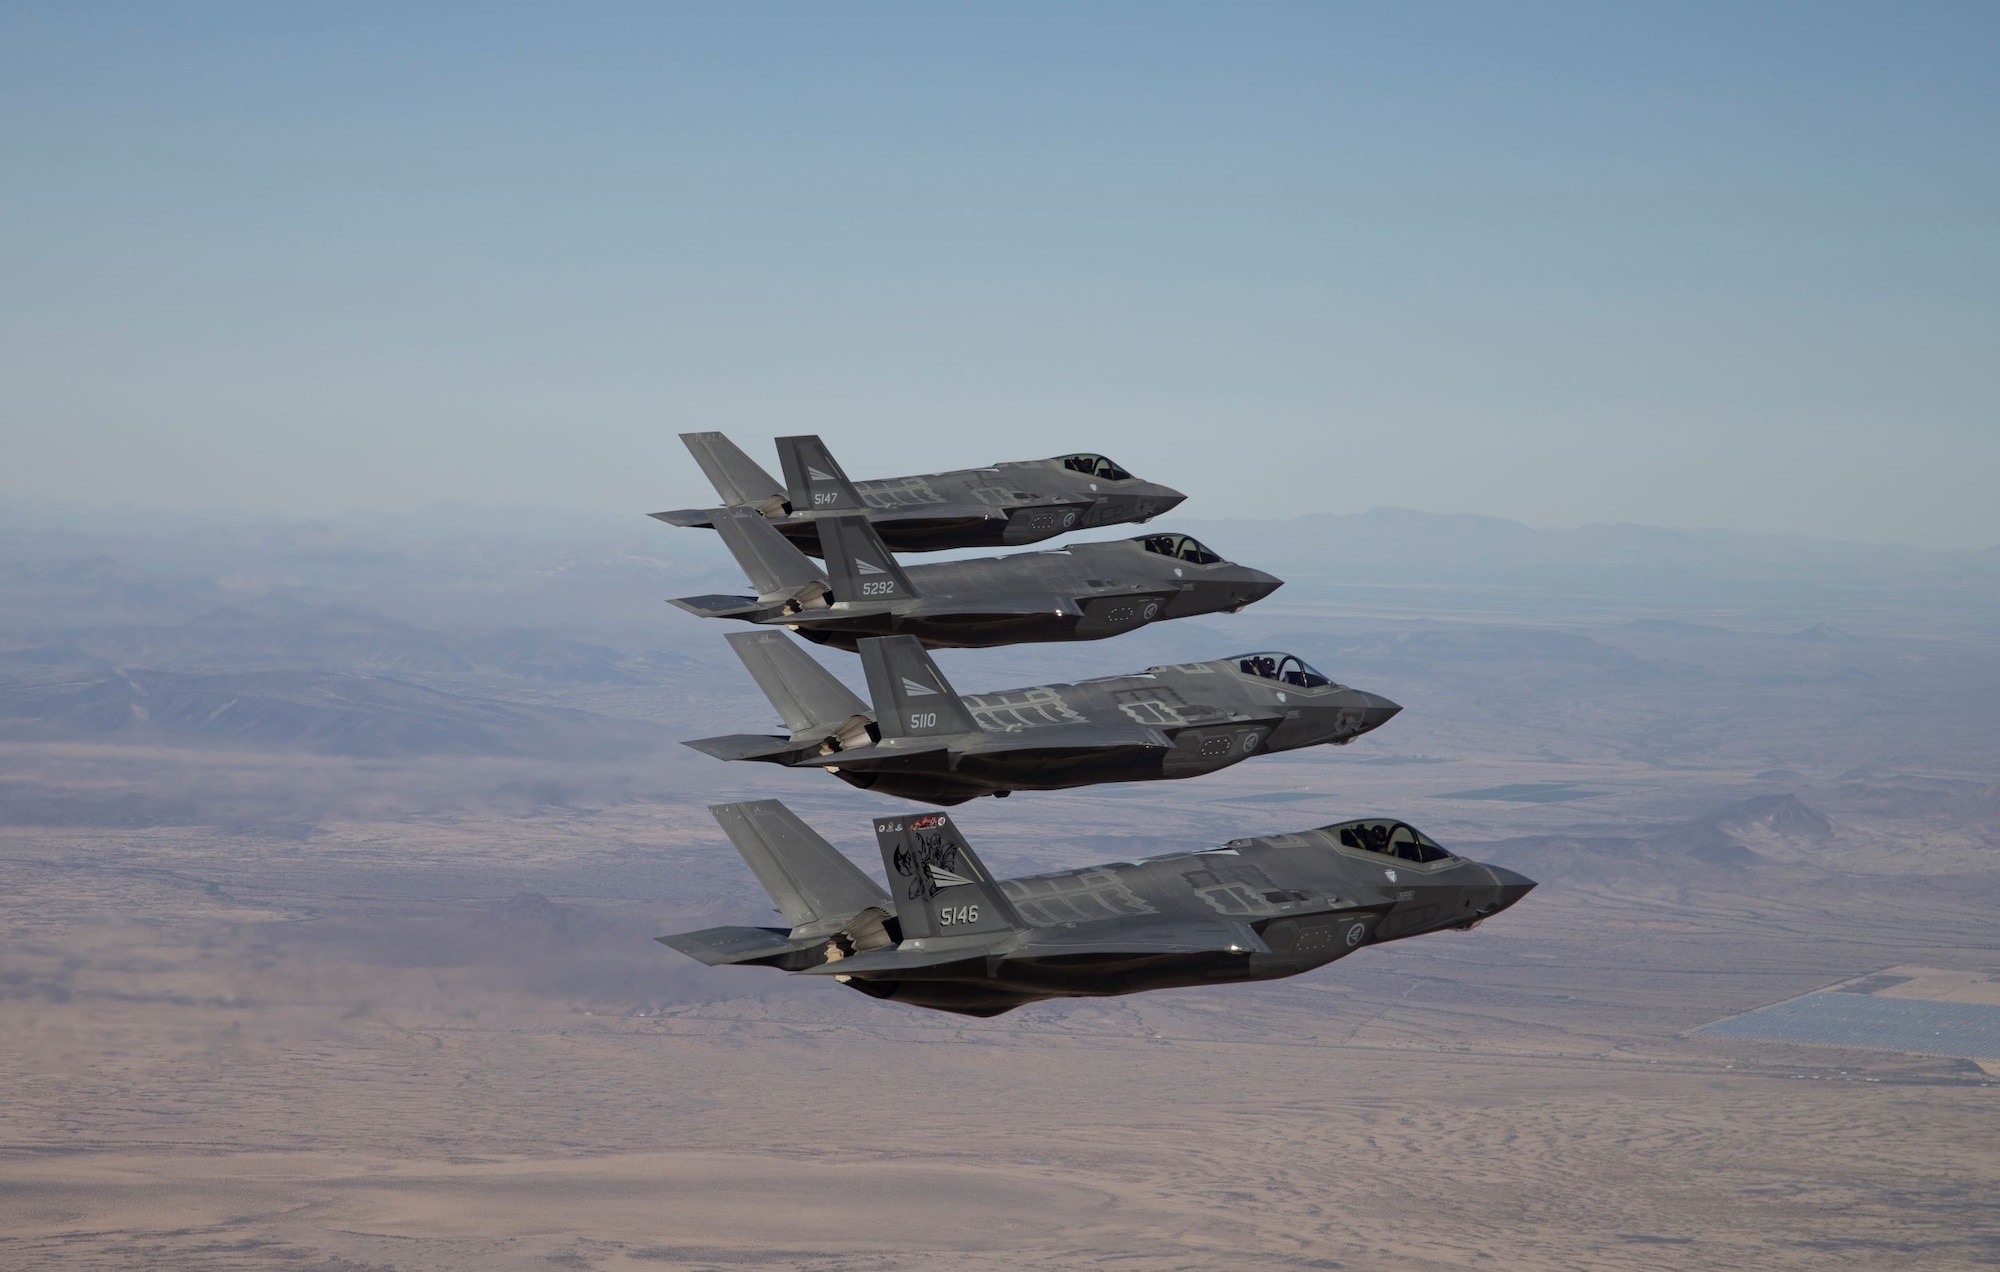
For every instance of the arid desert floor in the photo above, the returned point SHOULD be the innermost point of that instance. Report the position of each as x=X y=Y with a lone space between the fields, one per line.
x=357 y=997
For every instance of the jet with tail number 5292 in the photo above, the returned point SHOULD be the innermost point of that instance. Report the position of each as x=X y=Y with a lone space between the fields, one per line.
x=1086 y=591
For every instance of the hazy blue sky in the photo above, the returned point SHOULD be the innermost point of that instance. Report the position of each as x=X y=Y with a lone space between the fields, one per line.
x=1730 y=265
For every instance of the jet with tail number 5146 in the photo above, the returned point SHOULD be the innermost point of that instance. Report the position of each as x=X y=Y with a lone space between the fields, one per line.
x=949 y=936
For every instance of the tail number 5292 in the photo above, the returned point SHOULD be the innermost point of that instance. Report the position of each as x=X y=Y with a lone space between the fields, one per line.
x=949 y=917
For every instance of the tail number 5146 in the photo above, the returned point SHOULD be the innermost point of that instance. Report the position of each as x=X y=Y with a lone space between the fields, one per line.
x=949 y=917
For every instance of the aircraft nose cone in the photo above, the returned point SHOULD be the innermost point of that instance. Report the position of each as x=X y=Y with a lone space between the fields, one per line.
x=1167 y=498
x=1512 y=886
x=1255 y=586
x=1377 y=711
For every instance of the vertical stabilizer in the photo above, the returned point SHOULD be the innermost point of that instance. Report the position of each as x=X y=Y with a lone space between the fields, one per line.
x=816 y=888
x=912 y=697
x=813 y=478
x=735 y=476
x=808 y=697
x=858 y=567
x=941 y=888
x=774 y=567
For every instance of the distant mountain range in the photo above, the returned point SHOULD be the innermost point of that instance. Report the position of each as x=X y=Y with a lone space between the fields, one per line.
x=334 y=637
x=1702 y=848
x=1401 y=542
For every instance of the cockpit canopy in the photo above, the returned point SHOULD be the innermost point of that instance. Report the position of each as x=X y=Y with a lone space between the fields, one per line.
x=1180 y=547
x=1286 y=669
x=1390 y=838
x=1094 y=466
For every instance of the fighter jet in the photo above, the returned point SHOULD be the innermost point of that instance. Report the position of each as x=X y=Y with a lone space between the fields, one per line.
x=1006 y=505
x=953 y=938
x=922 y=741
x=1086 y=591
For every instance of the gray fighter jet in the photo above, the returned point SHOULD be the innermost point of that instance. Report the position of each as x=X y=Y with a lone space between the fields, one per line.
x=1003 y=506
x=922 y=741
x=953 y=938
x=1086 y=591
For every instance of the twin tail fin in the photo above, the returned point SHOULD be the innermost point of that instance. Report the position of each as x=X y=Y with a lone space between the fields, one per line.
x=940 y=887
x=813 y=478
x=912 y=697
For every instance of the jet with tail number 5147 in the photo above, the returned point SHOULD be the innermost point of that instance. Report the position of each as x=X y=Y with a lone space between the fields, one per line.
x=921 y=740
x=950 y=937
x=1005 y=505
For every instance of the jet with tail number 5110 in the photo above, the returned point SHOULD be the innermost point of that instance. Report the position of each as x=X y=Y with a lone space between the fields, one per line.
x=921 y=740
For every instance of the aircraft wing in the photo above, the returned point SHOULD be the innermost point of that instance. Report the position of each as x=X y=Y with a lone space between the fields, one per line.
x=1067 y=738
x=1073 y=739
x=1152 y=937
x=1000 y=603
x=1110 y=606
x=908 y=956
x=965 y=511
x=1143 y=938
x=862 y=757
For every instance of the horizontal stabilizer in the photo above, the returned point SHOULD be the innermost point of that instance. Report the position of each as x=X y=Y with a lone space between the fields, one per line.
x=714 y=606
x=724 y=945
x=751 y=746
x=691 y=518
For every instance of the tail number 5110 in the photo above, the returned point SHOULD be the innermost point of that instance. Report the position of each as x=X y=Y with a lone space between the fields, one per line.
x=923 y=719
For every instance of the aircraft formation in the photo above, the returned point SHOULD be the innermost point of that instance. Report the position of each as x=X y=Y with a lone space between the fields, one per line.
x=818 y=552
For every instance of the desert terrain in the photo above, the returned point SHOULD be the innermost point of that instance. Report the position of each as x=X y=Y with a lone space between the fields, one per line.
x=330 y=863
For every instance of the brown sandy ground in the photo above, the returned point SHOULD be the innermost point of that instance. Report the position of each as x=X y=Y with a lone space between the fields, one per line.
x=353 y=1047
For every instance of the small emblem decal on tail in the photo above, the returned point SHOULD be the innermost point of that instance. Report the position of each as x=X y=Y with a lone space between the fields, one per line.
x=866 y=567
x=916 y=690
x=817 y=475
x=929 y=862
